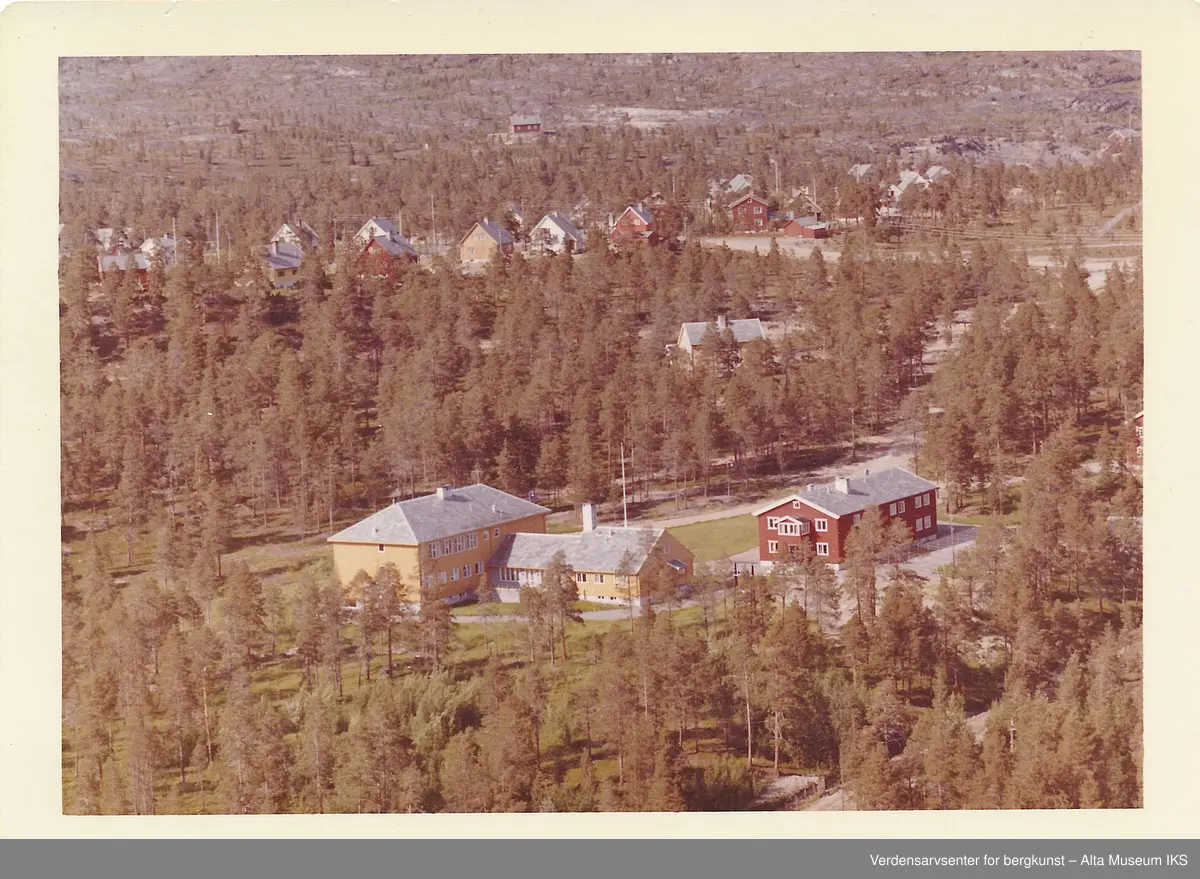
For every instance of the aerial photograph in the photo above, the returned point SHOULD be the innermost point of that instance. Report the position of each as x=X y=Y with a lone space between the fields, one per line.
x=601 y=433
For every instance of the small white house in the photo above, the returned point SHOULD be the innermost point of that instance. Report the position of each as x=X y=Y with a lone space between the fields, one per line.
x=555 y=233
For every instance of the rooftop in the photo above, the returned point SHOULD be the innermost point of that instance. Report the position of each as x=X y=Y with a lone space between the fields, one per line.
x=565 y=226
x=862 y=492
x=495 y=231
x=743 y=330
x=432 y=517
x=598 y=550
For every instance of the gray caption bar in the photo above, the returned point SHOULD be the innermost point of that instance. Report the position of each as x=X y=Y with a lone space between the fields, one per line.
x=602 y=859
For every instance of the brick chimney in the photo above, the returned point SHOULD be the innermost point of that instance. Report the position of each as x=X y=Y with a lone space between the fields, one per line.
x=589 y=517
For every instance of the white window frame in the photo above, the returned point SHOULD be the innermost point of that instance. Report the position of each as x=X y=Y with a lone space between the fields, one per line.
x=822 y=525
x=580 y=577
x=822 y=549
x=891 y=509
x=790 y=529
x=447 y=546
x=796 y=505
x=485 y=534
x=917 y=502
x=772 y=547
x=381 y=547
x=495 y=532
x=472 y=540
x=441 y=576
x=466 y=571
x=454 y=574
x=479 y=567
x=459 y=543
x=429 y=580
x=927 y=498
x=434 y=550
x=758 y=210
x=857 y=519
x=899 y=506
x=599 y=578
x=772 y=523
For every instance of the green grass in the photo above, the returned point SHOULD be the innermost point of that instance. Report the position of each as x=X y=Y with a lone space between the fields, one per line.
x=563 y=528
x=512 y=608
x=719 y=538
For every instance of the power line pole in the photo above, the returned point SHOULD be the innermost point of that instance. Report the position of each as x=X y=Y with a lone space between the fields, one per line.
x=624 y=498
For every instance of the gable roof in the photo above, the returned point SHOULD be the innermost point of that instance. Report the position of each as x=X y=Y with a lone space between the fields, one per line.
x=598 y=550
x=120 y=261
x=298 y=232
x=747 y=197
x=858 y=172
x=565 y=226
x=283 y=255
x=374 y=228
x=638 y=211
x=936 y=172
x=395 y=245
x=747 y=330
x=493 y=230
x=871 y=490
x=740 y=182
x=907 y=178
x=421 y=519
x=527 y=119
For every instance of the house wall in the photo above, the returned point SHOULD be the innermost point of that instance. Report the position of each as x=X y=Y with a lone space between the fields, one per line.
x=839 y=527
x=477 y=246
x=350 y=558
x=745 y=218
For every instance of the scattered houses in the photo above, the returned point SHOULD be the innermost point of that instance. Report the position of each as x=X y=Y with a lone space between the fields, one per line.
x=164 y=248
x=859 y=172
x=692 y=335
x=282 y=260
x=750 y=213
x=633 y=228
x=557 y=234
x=482 y=240
x=609 y=564
x=121 y=261
x=382 y=246
x=824 y=515
x=907 y=178
x=936 y=173
x=446 y=537
x=300 y=234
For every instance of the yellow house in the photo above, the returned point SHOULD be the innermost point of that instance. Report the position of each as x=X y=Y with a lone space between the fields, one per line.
x=609 y=563
x=484 y=239
x=447 y=537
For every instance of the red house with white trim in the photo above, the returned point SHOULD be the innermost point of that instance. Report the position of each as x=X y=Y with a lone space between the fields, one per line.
x=750 y=214
x=824 y=515
x=634 y=227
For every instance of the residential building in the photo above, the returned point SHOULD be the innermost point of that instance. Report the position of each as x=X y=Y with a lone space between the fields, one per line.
x=634 y=227
x=300 y=234
x=446 y=537
x=692 y=335
x=936 y=173
x=557 y=234
x=484 y=239
x=740 y=182
x=165 y=248
x=824 y=515
x=121 y=261
x=282 y=260
x=907 y=179
x=860 y=171
x=806 y=227
x=750 y=214
x=1137 y=437
x=382 y=246
x=525 y=124
x=609 y=564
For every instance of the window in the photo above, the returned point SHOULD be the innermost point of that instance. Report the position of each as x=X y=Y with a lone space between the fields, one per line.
x=429 y=579
x=495 y=532
x=929 y=521
x=857 y=518
x=795 y=505
x=822 y=525
x=757 y=209
x=454 y=574
x=790 y=528
x=472 y=540
x=485 y=535
x=434 y=550
x=580 y=577
x=466 y=571
x=441 y=576
x=900 y=507
x=599 y=578
x=822 y=549
x=772 y=547
x=917 y=502
x=772 y=523
x=926 y=498
x=447 y=547
x=459 y=543
x=479 y=567
x=891 y=509
x=381 y=547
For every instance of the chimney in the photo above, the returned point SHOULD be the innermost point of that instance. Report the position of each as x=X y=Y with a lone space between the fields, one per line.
x=842 y=484
x=720 y=323
x=589 y=517
x=867 y=472
x=810 y=486
x=441 y=492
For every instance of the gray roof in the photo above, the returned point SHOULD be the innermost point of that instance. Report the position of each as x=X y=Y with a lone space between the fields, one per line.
x=525 y=120
x=564 y=225
x=808 y=221
x=495 y=231
x=374 y=227
x=747 y=197
x=740 y=182
x=743 y=330
x=421 y=519
x=860 y=170
x=641 y=213
x=864 y=491
x=396 y=245
x=284 y=255
x=599 y=550
x=120 y=261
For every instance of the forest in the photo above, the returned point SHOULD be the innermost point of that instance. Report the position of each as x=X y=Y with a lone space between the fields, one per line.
x=215 y=430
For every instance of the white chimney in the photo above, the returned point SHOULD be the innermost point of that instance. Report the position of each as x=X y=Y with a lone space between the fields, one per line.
x=441 y=492
x=842 y=484
x=720 y=323
x=589 y=517
x=866 y=472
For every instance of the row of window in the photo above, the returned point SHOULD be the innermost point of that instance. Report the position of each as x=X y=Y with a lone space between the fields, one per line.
x=786 y=525
x=925 y=523
x=773 y=547
x=461 y=543
x=457 y=573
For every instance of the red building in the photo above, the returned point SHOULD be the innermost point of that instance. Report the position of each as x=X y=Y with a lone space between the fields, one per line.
x=824 y=515
x=750 y=214
x=525 y=125
x=806 y=227
x=634 y=227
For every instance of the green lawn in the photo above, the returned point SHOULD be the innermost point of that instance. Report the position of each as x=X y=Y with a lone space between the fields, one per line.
x=512 y=608
x=719 y=538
